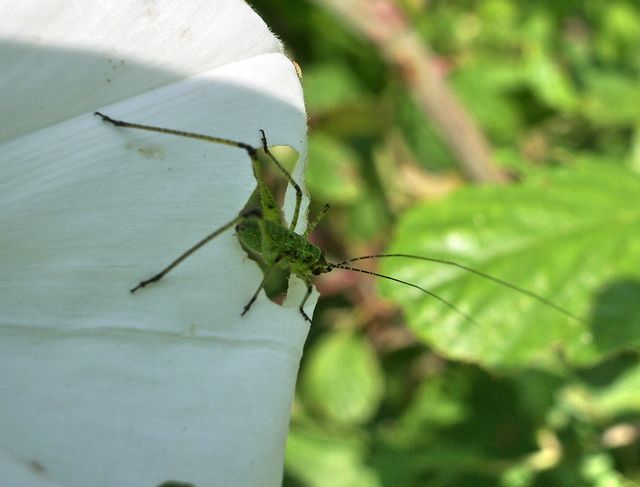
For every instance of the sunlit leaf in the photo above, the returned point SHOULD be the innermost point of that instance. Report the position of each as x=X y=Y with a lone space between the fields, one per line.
x=572 y=235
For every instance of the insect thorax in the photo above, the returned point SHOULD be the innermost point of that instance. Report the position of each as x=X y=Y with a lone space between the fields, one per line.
x=283 y=244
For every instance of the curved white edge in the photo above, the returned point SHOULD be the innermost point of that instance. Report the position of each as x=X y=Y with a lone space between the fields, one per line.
x=61 y=59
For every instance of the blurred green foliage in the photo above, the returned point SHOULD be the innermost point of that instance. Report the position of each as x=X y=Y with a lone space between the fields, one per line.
x=520 y=395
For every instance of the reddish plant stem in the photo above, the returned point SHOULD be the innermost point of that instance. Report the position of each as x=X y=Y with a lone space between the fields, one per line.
x=386 y=26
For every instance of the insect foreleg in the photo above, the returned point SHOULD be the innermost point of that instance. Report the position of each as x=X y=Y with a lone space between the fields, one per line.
x=312 y=226
x=202 y=242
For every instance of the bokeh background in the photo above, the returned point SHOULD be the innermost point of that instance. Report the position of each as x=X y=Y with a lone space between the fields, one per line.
x=503 y=135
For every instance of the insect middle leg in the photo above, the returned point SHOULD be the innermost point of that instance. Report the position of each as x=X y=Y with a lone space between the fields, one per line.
x=304 y=300
x=247 y=306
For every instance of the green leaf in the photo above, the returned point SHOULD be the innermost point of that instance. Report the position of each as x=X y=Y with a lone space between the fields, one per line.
x=485 y=91
x=437 y=403
x=611 y=99
x=331 y=174
x=321 y=459
x=570 y=235
x=342 y=379
x=621 y=396
x=328 y=86
x=550 y=83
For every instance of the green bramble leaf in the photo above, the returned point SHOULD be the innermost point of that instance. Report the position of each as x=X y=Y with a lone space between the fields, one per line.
x=571 y=235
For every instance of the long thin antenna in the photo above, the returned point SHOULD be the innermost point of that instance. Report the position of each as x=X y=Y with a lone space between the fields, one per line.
x=341 y=265
x=497 y=280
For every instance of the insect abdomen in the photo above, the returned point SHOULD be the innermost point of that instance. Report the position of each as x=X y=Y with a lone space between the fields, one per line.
x=284 y=243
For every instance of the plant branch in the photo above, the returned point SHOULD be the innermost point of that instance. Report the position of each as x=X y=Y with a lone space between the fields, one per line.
x=384 y=24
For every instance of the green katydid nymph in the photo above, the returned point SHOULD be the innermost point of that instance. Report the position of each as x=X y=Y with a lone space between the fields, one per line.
x=270 y=242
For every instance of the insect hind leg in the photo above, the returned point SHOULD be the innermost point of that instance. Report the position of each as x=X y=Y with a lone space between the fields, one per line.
x=296 y=186
x=180 y=133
